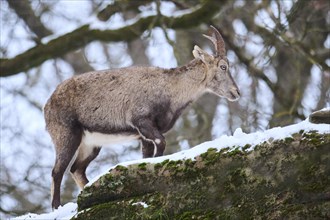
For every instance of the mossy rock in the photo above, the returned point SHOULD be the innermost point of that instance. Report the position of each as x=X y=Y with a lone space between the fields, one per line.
x=320 y=117
x=281 y=179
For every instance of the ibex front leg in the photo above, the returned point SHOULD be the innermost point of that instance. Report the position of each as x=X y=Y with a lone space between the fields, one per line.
x=151 y=134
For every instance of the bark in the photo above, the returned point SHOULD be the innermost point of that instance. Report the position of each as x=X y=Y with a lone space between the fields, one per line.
x=279 y=179
x=84 y=35
x=120 y=6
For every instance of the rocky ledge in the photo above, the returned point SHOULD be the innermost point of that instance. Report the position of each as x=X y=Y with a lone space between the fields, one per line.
x=287 y=178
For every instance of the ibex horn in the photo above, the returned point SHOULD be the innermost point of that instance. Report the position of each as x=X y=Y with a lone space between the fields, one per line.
x=218 y=42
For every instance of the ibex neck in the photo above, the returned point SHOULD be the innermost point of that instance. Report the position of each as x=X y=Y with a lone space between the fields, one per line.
x=188 y=82
x=196 y=71
x=193 y=65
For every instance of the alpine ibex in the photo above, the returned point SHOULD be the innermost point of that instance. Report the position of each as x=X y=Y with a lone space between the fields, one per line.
x=109 y=106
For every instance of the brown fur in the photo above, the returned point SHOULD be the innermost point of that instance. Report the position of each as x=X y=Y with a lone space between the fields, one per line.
x=137 y=102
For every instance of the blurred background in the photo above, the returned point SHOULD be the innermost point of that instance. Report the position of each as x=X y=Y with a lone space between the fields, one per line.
x=278 y=50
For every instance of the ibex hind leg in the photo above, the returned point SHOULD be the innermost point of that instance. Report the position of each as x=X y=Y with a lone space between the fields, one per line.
x=78 y=169
x=66 y=144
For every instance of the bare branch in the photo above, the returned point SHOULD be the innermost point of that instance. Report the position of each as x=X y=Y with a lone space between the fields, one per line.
x=24 y=11
x=120 y=6
x=84 y=35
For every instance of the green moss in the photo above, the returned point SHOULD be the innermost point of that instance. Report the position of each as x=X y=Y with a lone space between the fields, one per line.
x=172 y=164
x=235 y=178
x=288 y=140
x=189 y=162
x=236 y=152
x=114 y=209
x=224 y=150
x=173 y=167
x=210 y=156
x=188 y=167
x=198 y=214
x=164 y=162
x=157 y=166
x=121 y=168
x=245 y=147
x=142 y=166
x=314 y=138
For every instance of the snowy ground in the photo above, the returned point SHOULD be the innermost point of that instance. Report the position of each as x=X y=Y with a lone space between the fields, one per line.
x=239 y=138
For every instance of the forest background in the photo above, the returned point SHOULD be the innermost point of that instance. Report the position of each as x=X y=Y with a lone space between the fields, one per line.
x=278 y=50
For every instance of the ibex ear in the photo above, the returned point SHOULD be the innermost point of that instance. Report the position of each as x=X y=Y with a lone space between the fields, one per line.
x=202 y=55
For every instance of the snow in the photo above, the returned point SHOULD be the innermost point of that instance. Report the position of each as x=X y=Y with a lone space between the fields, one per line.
x=239 y=138
x=145 y=205
x=63 y=212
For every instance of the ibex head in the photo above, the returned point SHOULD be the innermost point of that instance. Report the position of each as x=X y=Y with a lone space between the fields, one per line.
x=219 y=79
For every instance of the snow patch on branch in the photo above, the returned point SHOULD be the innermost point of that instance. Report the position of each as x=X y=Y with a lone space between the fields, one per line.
x=145 y=205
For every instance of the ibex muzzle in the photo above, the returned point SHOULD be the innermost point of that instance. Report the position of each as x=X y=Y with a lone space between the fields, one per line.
x=104 y=107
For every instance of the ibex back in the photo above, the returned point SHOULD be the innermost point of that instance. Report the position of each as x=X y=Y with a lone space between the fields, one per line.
x=104 y=107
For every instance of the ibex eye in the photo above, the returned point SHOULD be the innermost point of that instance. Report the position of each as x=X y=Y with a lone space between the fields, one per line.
x=223 y=67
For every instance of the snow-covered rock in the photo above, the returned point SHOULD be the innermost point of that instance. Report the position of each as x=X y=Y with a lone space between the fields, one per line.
x=225 y=170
